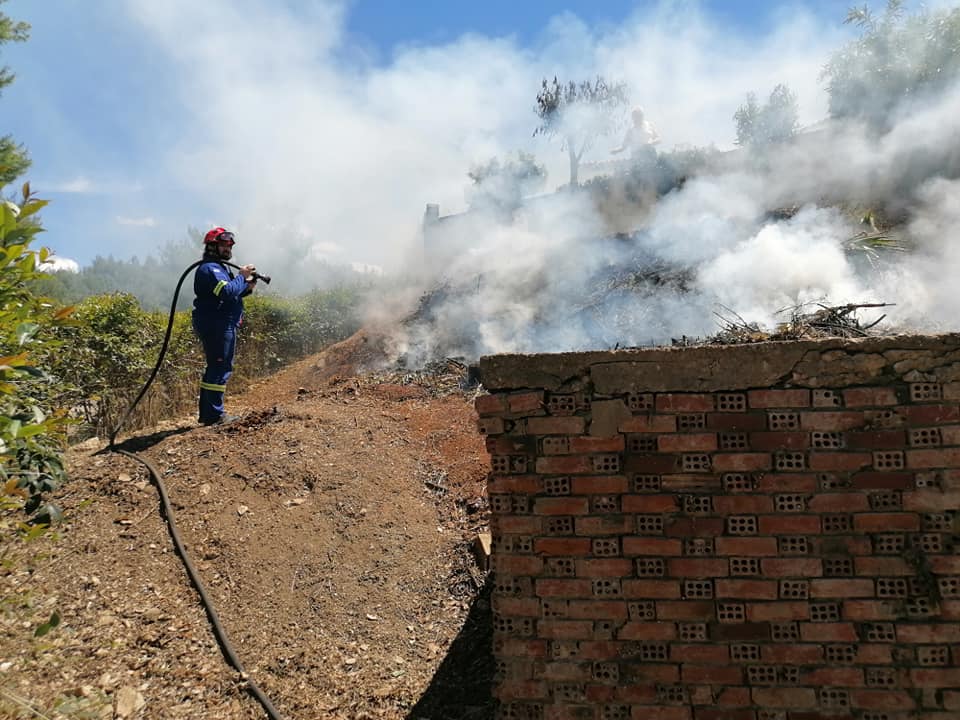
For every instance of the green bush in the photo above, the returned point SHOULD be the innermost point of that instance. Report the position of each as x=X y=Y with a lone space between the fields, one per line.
x=274 y=331
x=32 y=428
x=107 y=355
x=657 y=176
x=277 y=330
x=112 y=345
x=332 y=315
x=500 y=185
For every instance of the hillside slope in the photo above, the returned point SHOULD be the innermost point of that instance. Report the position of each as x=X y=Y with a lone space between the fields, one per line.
x=332 y=528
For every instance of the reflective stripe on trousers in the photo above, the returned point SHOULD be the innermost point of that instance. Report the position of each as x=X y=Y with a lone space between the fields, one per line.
x=219 y=345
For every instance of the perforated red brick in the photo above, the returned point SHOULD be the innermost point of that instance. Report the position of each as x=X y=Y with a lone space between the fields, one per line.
x=731 y=402
x=923 y=392
x=748 y=553
x=826 y=398
x=645 y=483
x=699 y=547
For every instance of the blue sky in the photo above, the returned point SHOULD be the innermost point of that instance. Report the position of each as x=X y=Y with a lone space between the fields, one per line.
x=384 y=27
x=335 y=123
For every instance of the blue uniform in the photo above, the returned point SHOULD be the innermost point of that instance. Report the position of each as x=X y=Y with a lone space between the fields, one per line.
x=217 y=313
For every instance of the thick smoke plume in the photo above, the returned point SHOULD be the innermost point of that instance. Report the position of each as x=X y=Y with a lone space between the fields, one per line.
x=342 y=152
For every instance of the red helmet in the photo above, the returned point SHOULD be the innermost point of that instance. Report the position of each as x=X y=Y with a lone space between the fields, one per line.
x=214 y=235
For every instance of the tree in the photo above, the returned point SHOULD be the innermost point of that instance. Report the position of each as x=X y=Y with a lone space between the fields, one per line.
x=777 y=121
x=897 y=59
x=747 y=118
x=13 y=158
x=579 y=114
x=501 y=185
x=32 y=428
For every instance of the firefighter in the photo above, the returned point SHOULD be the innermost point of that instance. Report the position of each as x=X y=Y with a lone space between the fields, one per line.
x=640 y=139
x=217 y=315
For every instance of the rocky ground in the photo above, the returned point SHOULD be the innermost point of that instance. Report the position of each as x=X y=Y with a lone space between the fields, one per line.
x=332 y=528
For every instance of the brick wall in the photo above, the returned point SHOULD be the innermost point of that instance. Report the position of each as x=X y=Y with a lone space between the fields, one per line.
x=765 y=532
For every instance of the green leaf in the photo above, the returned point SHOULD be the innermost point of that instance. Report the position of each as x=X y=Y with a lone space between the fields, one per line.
x=46 y=516
x=27 y=263
x=32 y=207
x=14 y=251
x=8 y=219
x=26 y=331
x=49 y=625
x=30 y=430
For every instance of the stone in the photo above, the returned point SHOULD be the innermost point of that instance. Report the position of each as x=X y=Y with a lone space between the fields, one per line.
x=482 y=545
x=606 y=416
x=128 y=702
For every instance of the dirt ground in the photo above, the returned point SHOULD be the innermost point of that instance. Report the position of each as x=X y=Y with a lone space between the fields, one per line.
x=332 y=528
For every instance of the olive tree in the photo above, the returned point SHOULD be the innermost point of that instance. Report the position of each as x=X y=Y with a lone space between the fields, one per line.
x=774 y=122
x=898 y=59
x=579 y=114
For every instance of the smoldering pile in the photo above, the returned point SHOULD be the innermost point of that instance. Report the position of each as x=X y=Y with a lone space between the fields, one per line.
x=586 y=307
x=561 y=280
x=439 y=378
x=824 y=322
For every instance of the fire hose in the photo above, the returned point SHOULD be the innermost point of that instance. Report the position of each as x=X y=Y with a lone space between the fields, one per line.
x=219 y=632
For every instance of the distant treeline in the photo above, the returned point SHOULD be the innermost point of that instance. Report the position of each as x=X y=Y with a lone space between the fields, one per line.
x=153 y=279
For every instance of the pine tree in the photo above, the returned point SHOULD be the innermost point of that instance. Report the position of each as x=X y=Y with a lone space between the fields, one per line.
x=14 y=160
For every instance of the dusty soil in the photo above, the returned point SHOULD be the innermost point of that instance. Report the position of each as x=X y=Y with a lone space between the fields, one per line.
x=332 y=528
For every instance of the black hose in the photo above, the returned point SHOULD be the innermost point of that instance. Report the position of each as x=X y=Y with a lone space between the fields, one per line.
x=163 y=351
x=218 y=631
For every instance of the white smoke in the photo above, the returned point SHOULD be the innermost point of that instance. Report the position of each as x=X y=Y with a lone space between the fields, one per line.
x=782 y=266
x=57 y=264
x=923 y=283
x=742 y=264
x=291 y=126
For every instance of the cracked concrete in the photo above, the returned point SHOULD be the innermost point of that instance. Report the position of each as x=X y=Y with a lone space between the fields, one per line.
x=833 y=363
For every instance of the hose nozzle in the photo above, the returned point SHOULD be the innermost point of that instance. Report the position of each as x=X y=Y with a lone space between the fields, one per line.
x=254 y=275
